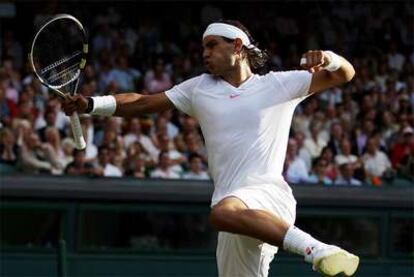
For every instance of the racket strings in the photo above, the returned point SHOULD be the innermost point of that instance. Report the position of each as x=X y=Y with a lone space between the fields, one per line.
x=65 y=80
x=60 y=62
x=64 y=74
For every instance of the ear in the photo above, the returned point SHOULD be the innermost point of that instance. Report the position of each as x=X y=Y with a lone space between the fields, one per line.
x=238 y=45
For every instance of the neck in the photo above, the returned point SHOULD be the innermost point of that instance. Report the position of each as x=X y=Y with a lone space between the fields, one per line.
x=239 y=74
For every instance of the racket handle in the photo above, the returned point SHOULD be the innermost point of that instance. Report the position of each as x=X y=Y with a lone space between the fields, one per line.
x=77 y=131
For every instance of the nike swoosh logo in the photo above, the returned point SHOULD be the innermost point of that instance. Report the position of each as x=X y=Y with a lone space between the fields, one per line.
x=234 y=96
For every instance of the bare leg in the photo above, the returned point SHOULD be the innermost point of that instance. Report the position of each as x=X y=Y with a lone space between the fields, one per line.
x=233 y=216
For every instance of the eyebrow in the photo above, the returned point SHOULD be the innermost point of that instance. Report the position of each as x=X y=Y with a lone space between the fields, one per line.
x=210 y=43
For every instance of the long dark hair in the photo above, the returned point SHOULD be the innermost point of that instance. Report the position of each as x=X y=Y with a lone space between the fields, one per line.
x=257 y=58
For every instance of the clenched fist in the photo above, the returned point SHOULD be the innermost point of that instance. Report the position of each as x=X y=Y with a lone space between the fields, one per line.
x=314 y=61
x=76 y=103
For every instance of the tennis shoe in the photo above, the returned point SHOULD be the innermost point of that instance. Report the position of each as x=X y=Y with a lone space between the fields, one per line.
x=330 y=260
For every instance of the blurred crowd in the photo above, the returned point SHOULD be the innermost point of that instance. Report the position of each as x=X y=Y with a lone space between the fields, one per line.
x=359 y=133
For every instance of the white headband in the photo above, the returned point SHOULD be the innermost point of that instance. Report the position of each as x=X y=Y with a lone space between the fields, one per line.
x=228 y=31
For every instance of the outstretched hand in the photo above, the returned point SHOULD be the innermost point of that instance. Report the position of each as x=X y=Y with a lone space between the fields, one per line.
x=76 y=103
x=314 y=61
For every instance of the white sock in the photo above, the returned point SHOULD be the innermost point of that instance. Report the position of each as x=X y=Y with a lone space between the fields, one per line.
x=299 y=242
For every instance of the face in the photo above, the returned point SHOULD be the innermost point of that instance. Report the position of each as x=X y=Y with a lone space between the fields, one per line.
x=347 y=170
x=196 y=164
x=320 y=167
x=346 y=147
x=218 y=55
x=79 y=157
x=327 y=154
x=33 y=140
x=164 y=161
x=164 y=143
x=292 y=147
x=52 y=135
x=372 y=146
x=104 y=157
x=337 y=131
x=51 y=118
x=135 y=126
x=7 y=137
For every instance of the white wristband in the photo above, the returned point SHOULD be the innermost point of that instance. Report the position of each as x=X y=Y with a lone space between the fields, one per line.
x=103 y=105
x=335 y=62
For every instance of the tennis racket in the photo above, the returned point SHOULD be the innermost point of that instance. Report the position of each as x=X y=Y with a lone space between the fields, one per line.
x=58 y=56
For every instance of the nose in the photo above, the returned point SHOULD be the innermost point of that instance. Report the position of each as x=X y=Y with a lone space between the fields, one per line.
x=206 y=54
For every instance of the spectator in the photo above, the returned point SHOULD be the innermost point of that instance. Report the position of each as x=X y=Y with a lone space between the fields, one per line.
x=104 y=163
x=375 y=161
x=346 y=176
x=80 y=167
x=59 y=120
x=302 y=120
x=295 y=167
x=314 y=144
x=362 y=135
x=406 y=170
x=346 y=156
x=336 y=136
x=302 y=151
x=164 y=170
x=136 y=168
x=193 y=147
x=163 y=123
x=176 y=158
x=388 y=127
x=327 y=155
x=136 y=151
x=402 y=148
x=12 y=48
x=50 y=120
x=103 y=38
x=134 y=134
x=196 y=171
x=53 y=138
x=8 y=151
x=395 y=58
x=10 y=79
x=8 y=109
x=37 y=157
x=68 y=145
x=318 y=173
x=157 y=80
x=123 y=77
x=103 y=69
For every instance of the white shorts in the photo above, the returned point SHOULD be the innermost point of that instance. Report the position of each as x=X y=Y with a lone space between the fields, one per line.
x=241 y=256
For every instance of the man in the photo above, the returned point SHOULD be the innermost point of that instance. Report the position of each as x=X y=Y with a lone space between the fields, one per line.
x=196 y=171
x=164 y=169
x=106 y=168
x=80 y=166
x=295 y=167
x=376 y=162
x=347 y=175
x=245 y=119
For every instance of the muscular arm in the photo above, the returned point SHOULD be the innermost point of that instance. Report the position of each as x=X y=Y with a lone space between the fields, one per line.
x=127 y=104
x=324 y=79
x=134 y=104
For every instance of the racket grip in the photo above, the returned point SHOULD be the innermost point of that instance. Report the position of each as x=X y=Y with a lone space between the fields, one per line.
x=77 y=131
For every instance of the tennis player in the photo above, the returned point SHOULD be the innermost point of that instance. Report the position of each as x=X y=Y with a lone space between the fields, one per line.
x=245 y=119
